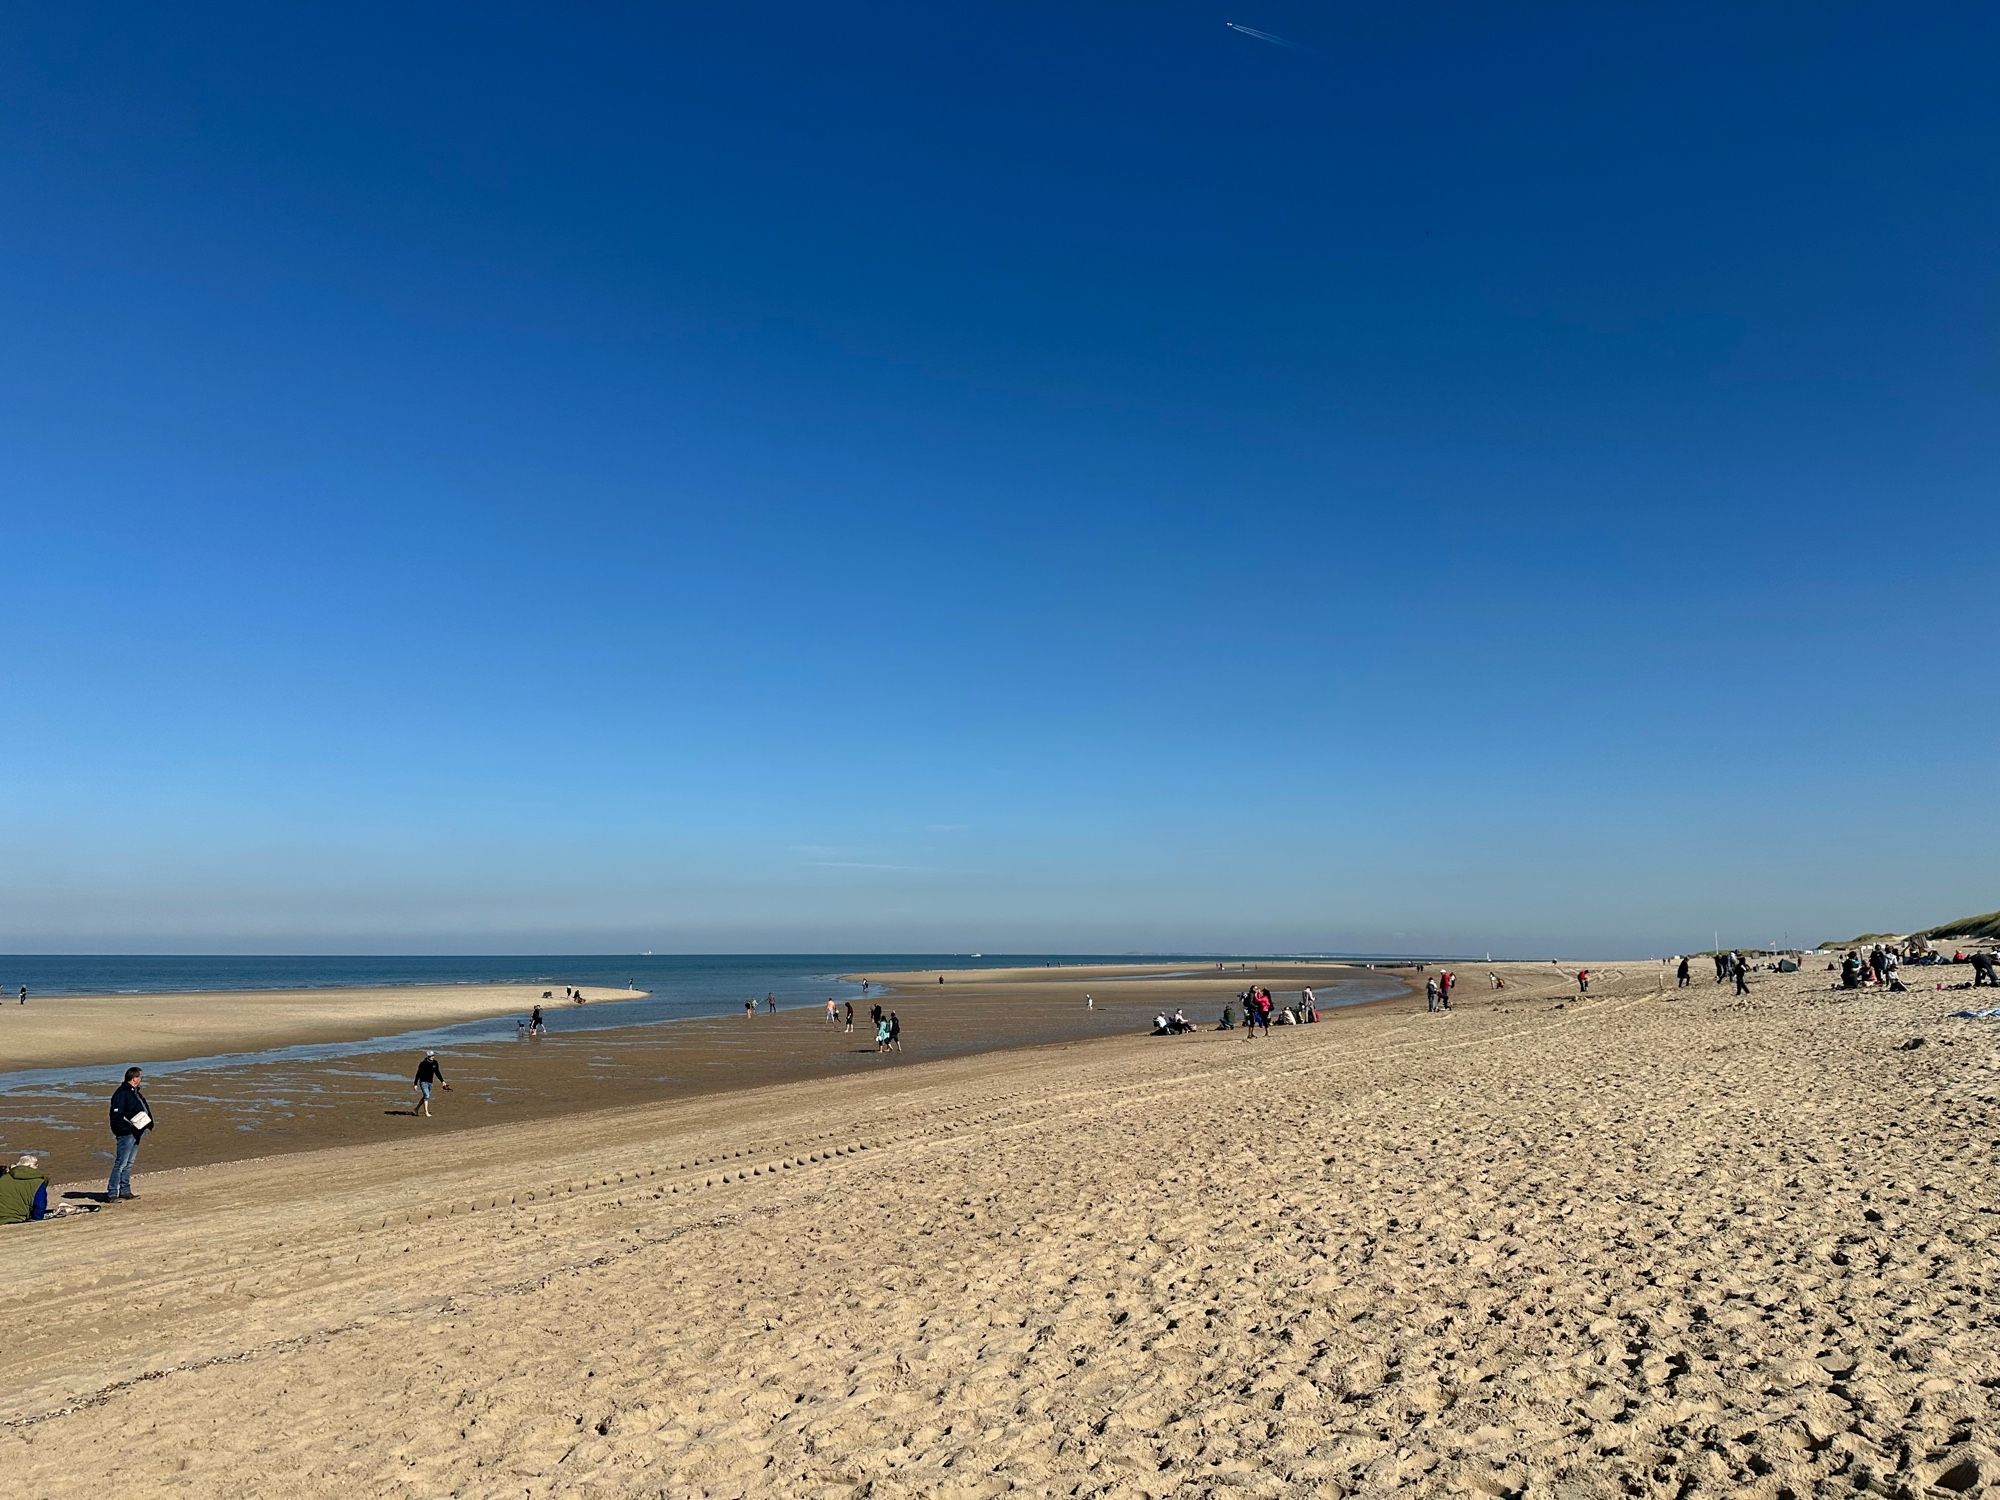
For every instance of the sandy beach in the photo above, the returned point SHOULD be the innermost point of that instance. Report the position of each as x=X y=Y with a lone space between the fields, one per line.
x=274 y=1106
x=1635 y=1243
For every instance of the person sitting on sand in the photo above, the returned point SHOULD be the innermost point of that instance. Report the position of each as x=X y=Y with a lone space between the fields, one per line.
x=429 y=1071
x=1228 y=1021
x=24 y=1192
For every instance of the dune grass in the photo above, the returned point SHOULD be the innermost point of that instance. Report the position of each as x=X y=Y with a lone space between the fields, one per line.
x=1986 y=926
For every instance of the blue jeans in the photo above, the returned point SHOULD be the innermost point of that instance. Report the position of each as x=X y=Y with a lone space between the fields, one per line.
x=121 y=1165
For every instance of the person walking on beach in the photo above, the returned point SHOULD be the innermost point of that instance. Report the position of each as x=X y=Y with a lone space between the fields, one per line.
x=770 y=1003
x=832 y=1011
x=1430 y=996
x=429 y=1072
x=881 y=1031
x=895 y=1032
x=749 y=1008
x=24 y=994
x=131 y=1118
x=535 y=1025
x=850 y=1018
x=1681 y=975
x=1742 y=973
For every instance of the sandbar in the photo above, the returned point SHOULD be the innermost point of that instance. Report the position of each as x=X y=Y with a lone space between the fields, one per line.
x=59 y=1030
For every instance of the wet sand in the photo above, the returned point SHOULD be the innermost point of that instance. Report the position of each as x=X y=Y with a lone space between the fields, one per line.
x=277 y=1107
x=88 y=1030
x=1636 y=1243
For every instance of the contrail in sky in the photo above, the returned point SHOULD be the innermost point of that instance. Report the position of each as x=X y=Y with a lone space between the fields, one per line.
x=1264 y=36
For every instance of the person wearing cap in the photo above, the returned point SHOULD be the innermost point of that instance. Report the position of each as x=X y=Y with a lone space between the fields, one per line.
x=428 y=1073
x=131 y=1118
x=24 y=1192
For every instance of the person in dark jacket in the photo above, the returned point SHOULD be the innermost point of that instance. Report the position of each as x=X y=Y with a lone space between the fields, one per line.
x=24 y=1192
x=131 y=1118
x=429 y=1072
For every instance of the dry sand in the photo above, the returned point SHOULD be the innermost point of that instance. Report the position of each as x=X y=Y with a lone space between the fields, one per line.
x=59 y=1030
x=1637 y=1244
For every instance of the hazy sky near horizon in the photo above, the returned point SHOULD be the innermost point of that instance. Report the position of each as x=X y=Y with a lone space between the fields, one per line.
x=996 y=477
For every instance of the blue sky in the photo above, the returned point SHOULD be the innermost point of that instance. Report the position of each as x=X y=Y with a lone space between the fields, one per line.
x=995 y=477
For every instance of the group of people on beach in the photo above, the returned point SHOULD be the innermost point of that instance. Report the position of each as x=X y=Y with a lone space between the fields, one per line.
x=1728 y=966
x=1878 y=965
x=1260 y=1010
x=1437 y=991
x=24 y=1187
x=888 y=1029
